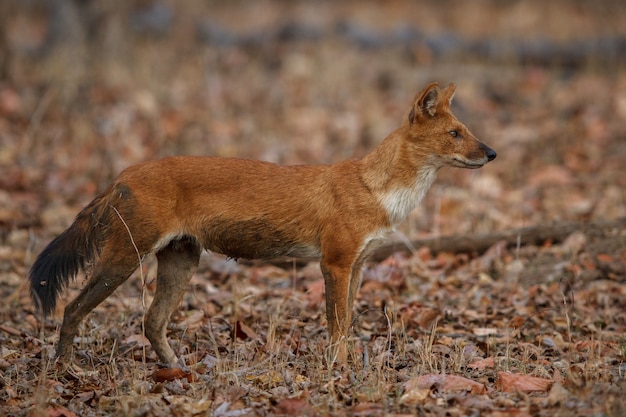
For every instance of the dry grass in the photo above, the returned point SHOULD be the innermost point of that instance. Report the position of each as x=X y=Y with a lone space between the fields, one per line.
x=281 y=355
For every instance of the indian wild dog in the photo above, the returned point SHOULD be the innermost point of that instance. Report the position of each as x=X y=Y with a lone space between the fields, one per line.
x=178 y=206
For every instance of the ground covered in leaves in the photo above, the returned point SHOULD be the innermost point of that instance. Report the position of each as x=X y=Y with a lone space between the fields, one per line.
x=509 y=330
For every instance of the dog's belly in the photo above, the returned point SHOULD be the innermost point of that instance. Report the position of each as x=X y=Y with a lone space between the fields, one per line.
x=255 y=239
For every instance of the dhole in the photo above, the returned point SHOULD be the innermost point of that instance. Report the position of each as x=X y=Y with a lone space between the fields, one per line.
x=179 y=206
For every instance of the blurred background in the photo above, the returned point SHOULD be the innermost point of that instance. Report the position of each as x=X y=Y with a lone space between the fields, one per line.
x=88 y=88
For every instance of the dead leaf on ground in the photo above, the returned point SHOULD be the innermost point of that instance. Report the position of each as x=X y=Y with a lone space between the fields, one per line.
x=509 y=382
x=415 y=395
x=59 y=412
x=485 y=331
x=139 y=340
x=481 y=364
x=423 y=316
x=446 y=383
x=86 y=395
x=193 y=320
x=243 y=332
x=366 y=409
x=170 y=374
x=294 y=407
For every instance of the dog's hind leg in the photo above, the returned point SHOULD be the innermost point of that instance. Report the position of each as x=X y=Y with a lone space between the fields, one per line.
x=109 y=273
x=177 y=263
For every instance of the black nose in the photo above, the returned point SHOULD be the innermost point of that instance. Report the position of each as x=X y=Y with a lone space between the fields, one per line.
x=491 y=154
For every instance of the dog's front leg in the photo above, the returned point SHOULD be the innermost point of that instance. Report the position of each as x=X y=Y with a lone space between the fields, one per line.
x=338 y=312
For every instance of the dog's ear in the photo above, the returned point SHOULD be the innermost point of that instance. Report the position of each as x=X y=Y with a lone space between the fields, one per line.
x=425 y=104
x=445 y=100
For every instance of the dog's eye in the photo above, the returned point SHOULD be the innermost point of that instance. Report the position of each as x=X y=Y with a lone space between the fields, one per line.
x=454 y=133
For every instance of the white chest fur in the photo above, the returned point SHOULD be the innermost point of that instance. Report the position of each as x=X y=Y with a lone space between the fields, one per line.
x=400 y=201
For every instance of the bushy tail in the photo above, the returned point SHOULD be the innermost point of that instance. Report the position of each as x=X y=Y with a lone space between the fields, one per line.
x=69 y=253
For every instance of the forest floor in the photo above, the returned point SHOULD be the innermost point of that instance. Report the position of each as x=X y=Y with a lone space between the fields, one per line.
x=524 y=329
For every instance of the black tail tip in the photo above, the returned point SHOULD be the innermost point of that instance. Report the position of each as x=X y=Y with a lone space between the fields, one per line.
x=42 y=296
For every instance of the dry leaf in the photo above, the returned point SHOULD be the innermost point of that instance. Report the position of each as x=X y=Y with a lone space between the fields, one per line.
x=86 y=396
x=508 y=382
x=223 y=410
x=426 y=316
x=516 y=322
x=243 y=331
x=59 y=412
x=267 y=379
x=137 y=339
x=365 y=409
x=603 y=257
x=170 y=374
x=10 y=330
x=446 y=383
x=481 y=364
x=414 y=395
x=423 y=316
x=294 y=407
x=193 y=321
x=484 y=331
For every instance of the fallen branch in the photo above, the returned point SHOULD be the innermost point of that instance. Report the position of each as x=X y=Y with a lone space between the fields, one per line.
x=532 y=235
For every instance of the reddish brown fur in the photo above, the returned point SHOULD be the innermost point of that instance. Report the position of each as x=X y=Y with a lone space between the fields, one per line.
x=250 y=209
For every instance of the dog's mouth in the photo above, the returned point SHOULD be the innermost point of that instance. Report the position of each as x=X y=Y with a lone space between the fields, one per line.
x=468 y=163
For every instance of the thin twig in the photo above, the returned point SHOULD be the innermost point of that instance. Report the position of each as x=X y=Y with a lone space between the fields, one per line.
x=143 y=280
